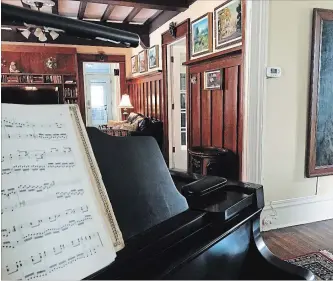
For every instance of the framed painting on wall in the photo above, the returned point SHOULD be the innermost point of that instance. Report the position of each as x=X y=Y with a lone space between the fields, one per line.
x=228 y=24
x=143 y=61
x=153 y=59
x=202 y=35
x=320 y=131
x=213 y=79
x=134 y=64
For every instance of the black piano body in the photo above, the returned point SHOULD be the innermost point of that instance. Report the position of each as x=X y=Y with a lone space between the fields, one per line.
x=214 y=236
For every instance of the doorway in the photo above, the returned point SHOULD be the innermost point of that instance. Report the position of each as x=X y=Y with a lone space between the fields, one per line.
x=177 y=94
x=101 y=91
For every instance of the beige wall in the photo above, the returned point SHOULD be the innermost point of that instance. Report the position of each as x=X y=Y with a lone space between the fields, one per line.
x=285 y=119
x=88 y=50
x=197 y=9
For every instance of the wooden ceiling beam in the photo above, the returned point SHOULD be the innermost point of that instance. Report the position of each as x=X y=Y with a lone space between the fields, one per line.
x=153 y=17
x=161 y=19
x=107 y=12
x=168 y=5
x=132 y=15
x=82 y=9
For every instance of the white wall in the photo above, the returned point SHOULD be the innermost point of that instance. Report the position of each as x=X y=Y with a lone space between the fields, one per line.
x=285 y=116
x=196 y=10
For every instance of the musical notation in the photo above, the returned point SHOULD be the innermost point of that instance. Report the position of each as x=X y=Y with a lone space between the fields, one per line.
x=36 y=168
x=48 y=197
x=5 y=232
x=5 y=122
x=43 y=256
x=22 y=189
x=39 y=235
x=50 y=218
x=37 y=154
x=54 y=137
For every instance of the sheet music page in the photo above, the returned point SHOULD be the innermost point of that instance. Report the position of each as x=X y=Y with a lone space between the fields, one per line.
x=52 y=228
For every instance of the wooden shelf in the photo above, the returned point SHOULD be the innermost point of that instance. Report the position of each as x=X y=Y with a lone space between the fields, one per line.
x=229 y=52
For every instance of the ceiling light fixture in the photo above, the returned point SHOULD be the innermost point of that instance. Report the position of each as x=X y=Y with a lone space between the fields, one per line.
x=39 y=3
x=54 y=34
x=26 y=33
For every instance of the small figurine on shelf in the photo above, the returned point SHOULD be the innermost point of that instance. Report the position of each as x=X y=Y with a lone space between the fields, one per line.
x=51 y=63
x=13 y=68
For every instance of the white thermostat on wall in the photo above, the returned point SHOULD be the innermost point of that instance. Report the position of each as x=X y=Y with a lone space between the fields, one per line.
x=273 y=72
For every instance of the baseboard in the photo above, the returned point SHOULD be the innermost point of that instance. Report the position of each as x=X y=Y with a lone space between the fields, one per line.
x=284 y=213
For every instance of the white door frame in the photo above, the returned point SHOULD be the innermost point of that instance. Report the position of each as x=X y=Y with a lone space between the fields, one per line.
x=255 y=89
x=170 y=129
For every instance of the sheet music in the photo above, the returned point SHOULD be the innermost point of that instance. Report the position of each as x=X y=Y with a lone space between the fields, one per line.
x=52 y=227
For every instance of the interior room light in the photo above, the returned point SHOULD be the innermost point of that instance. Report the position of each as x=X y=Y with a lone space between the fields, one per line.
x=26 y=33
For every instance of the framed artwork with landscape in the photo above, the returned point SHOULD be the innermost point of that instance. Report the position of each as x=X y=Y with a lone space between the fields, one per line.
x=320 y=127
x=153 y=59
x=228 y=24
x=134 y=64
x=143 y=61
x=202 y=35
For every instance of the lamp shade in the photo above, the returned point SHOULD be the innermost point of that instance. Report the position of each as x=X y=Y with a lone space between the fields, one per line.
x=26 y=33
x=125 y=102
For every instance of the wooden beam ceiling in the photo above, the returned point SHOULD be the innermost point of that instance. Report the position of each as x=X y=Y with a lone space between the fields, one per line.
x=169 y=5
x=107 y=12
x=82 y=9
x=132 y=15
x=161 y=19
x=153 y=17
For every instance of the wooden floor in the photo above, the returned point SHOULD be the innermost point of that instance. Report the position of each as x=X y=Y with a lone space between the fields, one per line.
x=299 y=240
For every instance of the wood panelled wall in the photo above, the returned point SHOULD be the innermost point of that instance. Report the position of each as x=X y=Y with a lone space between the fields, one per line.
x=216 y=116
x=31 y=59
x=147 y=97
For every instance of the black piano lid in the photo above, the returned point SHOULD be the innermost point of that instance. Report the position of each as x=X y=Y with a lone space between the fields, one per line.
x=220 y=241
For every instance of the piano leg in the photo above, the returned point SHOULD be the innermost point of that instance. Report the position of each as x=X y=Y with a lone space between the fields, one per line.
x=261 y=263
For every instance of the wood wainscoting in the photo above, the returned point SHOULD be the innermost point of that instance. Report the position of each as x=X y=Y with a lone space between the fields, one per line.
x=147 y=97
x=215 y=117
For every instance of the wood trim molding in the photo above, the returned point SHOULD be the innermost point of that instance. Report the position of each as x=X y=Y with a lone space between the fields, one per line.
x=254 y=91
x=182 y=30
x=312 y=170
x=224 y=53
x=144 y=76
x=36 y=49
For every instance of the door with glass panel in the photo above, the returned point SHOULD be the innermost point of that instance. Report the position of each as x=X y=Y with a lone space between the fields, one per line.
x=177 y=92
x=98 y=102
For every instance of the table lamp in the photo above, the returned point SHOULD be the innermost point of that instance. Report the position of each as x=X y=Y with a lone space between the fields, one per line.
x=125 y=103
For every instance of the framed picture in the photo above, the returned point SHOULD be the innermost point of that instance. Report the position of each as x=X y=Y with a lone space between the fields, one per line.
x=202 y=35
x=134 y=64
x=153 y=59
x=228 y=24
x=213 y=79
x=320 y=127
x=143 y=61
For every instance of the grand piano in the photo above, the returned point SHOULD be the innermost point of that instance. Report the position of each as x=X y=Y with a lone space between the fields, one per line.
x=207 y=229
